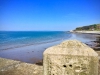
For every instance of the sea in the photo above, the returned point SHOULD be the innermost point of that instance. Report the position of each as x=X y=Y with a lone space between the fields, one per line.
x=17 y=39
x=28 y=46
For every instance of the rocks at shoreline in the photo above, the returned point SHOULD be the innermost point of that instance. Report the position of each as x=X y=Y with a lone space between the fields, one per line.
x=96 y=47
x=95 y=44
x=39 y=62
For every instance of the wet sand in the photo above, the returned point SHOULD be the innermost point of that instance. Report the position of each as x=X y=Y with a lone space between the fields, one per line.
x=30 y=54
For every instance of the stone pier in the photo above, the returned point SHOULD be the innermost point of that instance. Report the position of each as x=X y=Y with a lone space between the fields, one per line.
x=71 y=57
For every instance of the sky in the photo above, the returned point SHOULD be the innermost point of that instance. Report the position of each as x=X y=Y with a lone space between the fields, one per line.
x=48 y=15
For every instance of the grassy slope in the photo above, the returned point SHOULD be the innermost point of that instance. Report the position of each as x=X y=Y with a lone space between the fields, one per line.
x=94 y=27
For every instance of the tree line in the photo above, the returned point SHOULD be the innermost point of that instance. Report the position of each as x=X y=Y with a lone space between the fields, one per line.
x=89 y=27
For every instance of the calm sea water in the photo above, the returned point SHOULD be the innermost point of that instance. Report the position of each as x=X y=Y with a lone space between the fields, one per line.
x=17 y=39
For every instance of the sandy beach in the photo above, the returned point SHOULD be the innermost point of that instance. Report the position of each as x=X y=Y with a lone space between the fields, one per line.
x=89 y=32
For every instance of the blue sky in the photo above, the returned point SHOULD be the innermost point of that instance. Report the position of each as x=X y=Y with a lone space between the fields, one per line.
x=53 y=15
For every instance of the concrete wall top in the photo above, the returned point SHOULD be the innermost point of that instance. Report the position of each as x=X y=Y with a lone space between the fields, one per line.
x=71 y=47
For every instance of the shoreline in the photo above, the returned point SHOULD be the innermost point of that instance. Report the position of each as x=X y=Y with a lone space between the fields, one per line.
x=34 y=53
x=87 y=32
x=30 y=45
x=29 y=54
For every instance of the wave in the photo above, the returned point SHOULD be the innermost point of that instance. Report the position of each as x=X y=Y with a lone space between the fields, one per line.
x=23 y=41
x=29 y=45
x=12 y=39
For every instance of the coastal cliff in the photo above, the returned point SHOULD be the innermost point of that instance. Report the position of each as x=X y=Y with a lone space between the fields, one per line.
x=94 y=27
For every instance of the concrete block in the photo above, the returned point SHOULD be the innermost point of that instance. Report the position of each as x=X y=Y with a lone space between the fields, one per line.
x=71 y=57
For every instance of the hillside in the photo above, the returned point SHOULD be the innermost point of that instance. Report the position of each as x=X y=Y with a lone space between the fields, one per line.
x=94 y=27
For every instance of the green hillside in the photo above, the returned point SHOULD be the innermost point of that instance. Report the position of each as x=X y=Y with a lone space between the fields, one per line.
x=94 y=27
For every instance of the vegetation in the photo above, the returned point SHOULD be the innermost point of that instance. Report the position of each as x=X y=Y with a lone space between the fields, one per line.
x=94 y=27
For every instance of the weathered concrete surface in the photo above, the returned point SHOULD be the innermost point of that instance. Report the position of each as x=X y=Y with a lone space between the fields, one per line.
x=11 y=67
x=70 y=58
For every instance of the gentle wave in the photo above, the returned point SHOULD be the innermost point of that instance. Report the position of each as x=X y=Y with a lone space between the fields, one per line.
x=13 y=39
x=29 y=45
x=18 y=40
